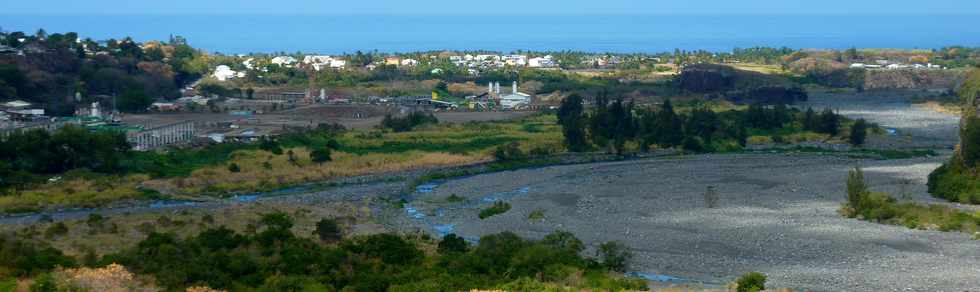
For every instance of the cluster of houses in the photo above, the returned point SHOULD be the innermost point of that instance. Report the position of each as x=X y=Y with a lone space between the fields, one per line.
x=888 y=65
x=483 y=61
x=474 y=63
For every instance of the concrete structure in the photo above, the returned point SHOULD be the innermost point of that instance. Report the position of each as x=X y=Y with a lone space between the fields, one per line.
x=514 y=100
x=162 y=136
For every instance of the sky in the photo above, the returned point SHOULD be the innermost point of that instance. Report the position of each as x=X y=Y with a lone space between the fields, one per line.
x=490 y=7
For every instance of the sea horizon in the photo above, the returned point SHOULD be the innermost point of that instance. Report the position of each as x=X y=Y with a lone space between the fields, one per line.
x=613 y=33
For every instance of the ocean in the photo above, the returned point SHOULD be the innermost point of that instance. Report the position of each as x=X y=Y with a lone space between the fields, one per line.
x=334 y=34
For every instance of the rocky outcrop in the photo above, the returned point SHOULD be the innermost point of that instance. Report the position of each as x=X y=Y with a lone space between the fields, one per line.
x=913 y=79
x=707 y=78
x=720 y=81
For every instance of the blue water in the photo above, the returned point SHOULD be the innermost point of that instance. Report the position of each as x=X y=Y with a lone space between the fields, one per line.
x=332 y=34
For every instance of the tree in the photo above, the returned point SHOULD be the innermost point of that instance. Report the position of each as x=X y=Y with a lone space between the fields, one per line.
x=451 y=243
x=573 y=123
x=829 y=122
x=134 y=100
x=752 y=282
x=810 y=120
x=328 y=230
x=233 y=167
x=970 y=143
x=856 y=187
x=615 y=256
x=320 y=155
x=669 y=129
x=563 y=240
x=858 y=132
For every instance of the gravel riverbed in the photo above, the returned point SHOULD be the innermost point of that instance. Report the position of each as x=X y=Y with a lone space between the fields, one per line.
x=777 y=215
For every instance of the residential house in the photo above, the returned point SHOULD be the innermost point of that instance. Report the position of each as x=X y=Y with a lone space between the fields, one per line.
x=285 y=61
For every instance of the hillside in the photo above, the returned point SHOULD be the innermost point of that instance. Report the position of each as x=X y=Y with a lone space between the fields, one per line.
x=61 y=71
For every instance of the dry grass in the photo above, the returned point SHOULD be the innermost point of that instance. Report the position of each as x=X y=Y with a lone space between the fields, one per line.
x=946 y=108
x=130 y=229
x=112 y=278
x=75 y=192
x=261 y=170
x=760 y=68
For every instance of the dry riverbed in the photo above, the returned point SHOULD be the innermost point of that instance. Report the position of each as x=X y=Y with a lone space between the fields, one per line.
x=777 y=214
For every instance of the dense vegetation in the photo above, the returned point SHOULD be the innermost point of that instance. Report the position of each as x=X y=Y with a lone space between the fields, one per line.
x=275 y=259
x=408 y=122
x=958 y=179
x=56 y=67
x=614 y=124
x=24 y=156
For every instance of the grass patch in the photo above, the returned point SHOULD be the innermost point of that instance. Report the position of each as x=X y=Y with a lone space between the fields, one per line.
x=882 y=208
x=536 y=215
x=860 y=153
x=454 y=199
x=498 y=207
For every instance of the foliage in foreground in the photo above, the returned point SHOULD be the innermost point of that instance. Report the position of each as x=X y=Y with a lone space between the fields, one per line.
x=274 y=259
x=882 y=208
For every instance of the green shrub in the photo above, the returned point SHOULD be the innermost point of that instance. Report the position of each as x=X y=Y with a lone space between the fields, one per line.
x=44 y=283
x=20 y=258
x=858 y=132
x=55 y=230
x=408 y=122
x=328 y=230
x=451 y=243
x=454 y=199
x=536 y=215
x=751 y=282
x=970 y=143
x=856 y=187
x=233 y=167
x=509 y=152
x=954 y=182
x=498 y=207
x=320 y=155
x=615 y=256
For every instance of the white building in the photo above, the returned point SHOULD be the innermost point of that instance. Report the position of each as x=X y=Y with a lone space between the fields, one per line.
x=284 y=61
x=338 y=64
x=410 y=62
x=224 y=73
x=514 y=100
x=249 y=64
x=541 y=62
x=516 y=60
x=311 y=59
